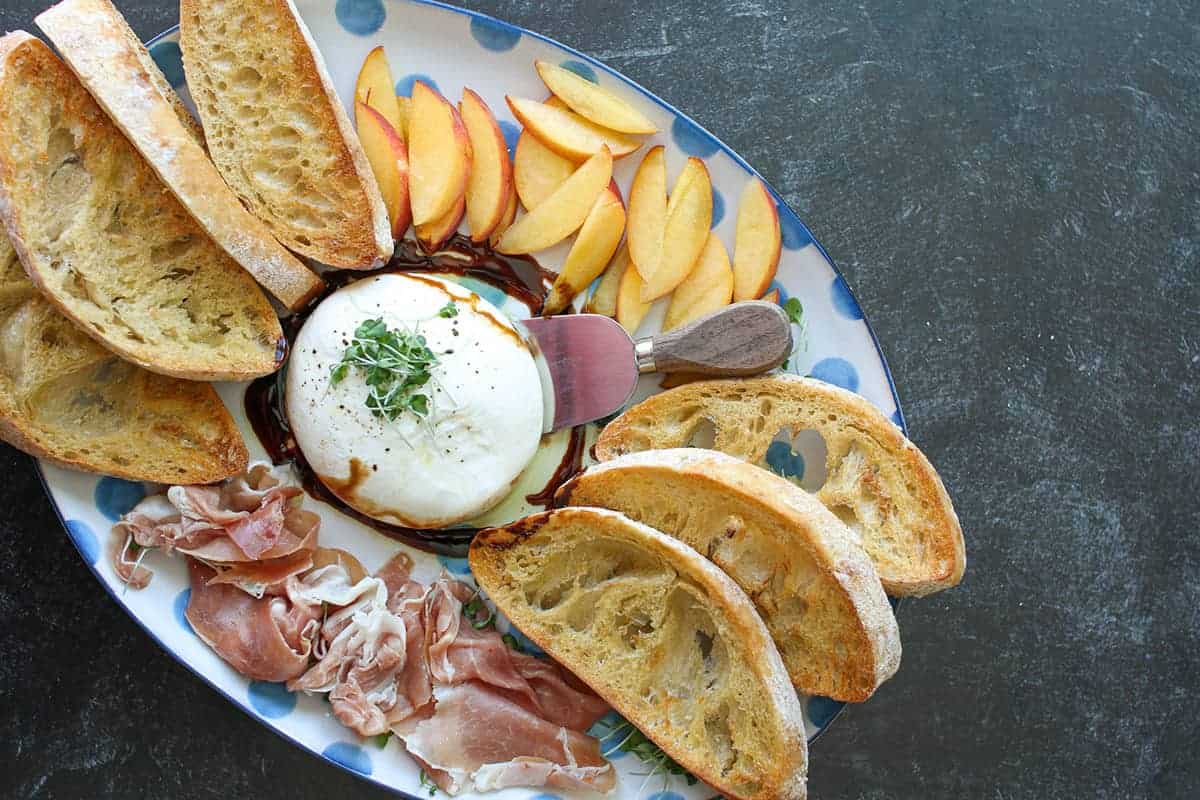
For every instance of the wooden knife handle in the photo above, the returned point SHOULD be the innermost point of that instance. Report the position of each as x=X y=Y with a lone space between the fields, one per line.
x=740 y=339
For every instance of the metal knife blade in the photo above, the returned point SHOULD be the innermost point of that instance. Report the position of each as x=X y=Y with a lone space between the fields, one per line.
x=587 y=366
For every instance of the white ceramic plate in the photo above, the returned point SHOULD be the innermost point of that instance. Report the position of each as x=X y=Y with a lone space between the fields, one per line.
x=451 y=48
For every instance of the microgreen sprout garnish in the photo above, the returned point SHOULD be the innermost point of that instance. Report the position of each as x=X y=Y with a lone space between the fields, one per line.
x=625 y=738
x=396 y=365
x=794 y=310
x=795 y=313
x=511 y=641
x=382 y=739
x=477 y=613
x=449 y=310
x=427 y=784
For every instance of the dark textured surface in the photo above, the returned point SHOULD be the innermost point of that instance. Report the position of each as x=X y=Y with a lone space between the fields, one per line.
x=1012 y=191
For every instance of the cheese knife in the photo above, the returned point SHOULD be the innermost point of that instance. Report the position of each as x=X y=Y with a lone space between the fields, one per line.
x=589 y=365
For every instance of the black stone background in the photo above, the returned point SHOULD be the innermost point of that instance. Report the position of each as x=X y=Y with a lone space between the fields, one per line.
x=1011 y=190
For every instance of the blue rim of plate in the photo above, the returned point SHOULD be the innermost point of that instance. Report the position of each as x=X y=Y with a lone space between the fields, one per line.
x=782 y=203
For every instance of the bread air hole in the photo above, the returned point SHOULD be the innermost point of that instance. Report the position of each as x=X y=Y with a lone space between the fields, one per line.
x=848 y=516
x=703 y=434
x=716 y=728
x=800 y=458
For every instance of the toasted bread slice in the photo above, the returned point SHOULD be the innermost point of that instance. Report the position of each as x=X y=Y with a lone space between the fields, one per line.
x=661 y=634
x=66 y=399
x=277 y=131
x=811 y=582
x=108 y=244
x=116 y=68
x=878 y=482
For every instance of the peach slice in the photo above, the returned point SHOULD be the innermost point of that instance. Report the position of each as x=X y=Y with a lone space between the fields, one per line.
x=648 y=211
x=538 y=170
x=604 y=298
x=689 y=218
x=389 y=162
x=567 y=133
x=490 y=180
x=771 y=297
x=404 y=106
x=707 y=288
x=631 y=309
x=510 y=213
x=593 y=102
x=560 y=214
x=432 y=235
x=591 y=250
x=439 y=153
x=757 y=243
x=376 y=88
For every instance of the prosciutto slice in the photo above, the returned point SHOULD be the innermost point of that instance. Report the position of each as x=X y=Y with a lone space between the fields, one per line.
x=478 y=738
x=266 y=577
x=265 y=638
x=460 y=653
x=402 y=657
x=248 y=519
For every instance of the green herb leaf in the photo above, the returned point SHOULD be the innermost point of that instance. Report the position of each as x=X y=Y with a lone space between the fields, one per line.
x=427 y=784
x=448 y=310
x=794 y=310
x=511 y=641
x=382 y=739
x=628 y=739
x=395 y=365
x=473 y=608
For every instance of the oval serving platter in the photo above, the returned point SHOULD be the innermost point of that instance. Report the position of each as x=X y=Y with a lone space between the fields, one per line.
x=451 y=48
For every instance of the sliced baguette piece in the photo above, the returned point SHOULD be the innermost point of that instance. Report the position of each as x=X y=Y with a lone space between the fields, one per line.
x=806 y=573
x=661 y=634
x=878 y=482
x=95 y=41
x=278 y=132
x=108 y=244
x=66 y=399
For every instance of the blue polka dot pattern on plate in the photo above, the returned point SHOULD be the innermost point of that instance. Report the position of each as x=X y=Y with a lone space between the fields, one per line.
x=360 y=17
x=113 y=496
x=718 y=213
x=581 y=69
x=691 y=139
x=492 y=294
x=85 y=539
x=511 y=132
x=778 y=287
x=665 y=796
x=456 y=566
x=179 y=608
x=169 y=59
x=610 y=730
x=272 y=700
x=822 y=710
x=350 y=756
x=837 y=371
x=404 y=86
x=784 y=461
x=544 y=796
x=524 y=643
x=844 y=302
x=494 y=35
x=795 y=235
